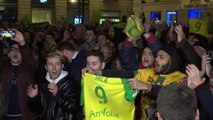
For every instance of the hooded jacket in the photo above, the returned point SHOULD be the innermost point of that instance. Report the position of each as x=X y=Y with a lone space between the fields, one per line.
x=149 y=76
x=176 y=60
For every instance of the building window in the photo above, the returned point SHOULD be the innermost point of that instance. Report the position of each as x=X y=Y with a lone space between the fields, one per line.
x=155 y=15
x=43 y=2
x=195 y=13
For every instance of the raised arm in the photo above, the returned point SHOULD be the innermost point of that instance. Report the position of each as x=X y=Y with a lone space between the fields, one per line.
x=202 y=91
x=187 y=51
x=26 y=52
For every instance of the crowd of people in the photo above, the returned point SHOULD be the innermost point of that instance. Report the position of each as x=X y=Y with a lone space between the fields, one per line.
x=42 y=67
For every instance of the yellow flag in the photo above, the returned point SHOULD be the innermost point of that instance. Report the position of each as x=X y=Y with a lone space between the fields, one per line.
x=107 y=98
x=198 y=26
x=134 y=28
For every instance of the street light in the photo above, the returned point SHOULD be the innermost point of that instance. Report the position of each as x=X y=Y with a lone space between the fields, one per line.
x=73 y=1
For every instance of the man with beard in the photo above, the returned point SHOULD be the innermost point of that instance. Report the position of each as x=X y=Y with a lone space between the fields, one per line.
x=168 y=63
x=166 y=71
x=16 y=74
x=58 y=97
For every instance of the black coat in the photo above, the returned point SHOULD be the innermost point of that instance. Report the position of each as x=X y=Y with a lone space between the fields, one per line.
x=205 y=102
x=63 y=106
x=77 y=65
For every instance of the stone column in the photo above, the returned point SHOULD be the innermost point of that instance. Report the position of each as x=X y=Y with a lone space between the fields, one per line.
x=61 y=10
x=24 y=10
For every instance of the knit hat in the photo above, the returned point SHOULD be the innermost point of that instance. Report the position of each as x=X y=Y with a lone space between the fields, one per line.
x=134 y=27
x=176 y=60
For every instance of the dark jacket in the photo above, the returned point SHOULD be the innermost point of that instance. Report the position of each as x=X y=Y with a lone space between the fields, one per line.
x=25 y=76
x=189 y=54
x=77 y=65
x=63 y=106
x=205 y=102
x=128 y=54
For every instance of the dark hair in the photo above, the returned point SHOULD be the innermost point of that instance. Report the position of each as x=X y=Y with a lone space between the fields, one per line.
x=103 y=34
x=50 y=33
x=66 y=45
x=202 y=40
x=176 y=102
x=96 y=53
x=90 y=27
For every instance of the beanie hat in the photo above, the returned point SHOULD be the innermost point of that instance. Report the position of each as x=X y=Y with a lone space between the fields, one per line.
x=133 y=28
x=176 y=60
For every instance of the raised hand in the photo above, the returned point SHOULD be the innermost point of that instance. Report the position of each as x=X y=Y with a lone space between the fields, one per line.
x=194 y=76
x=85 y=70
x=53 y=88
x=19 y=38
x=180 y=34
x=32 y=90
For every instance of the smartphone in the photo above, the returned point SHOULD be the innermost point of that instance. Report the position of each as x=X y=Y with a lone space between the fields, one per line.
x=7 y=33
x=157 y=22
x=175 y=23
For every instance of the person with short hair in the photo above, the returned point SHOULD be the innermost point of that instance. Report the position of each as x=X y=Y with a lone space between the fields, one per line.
x=177 y=102
x=75 y=57
x=16 y=73
x=90 y=40
x=95 y=62
x=58 y=97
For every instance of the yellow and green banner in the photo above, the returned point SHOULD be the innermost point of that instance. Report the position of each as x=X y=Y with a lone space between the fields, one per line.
x=134 y=27
x=198 y=26
x=106 y=98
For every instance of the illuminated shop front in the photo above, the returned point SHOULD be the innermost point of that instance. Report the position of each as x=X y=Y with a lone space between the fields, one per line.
x=179 y=11
x=43 y=11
